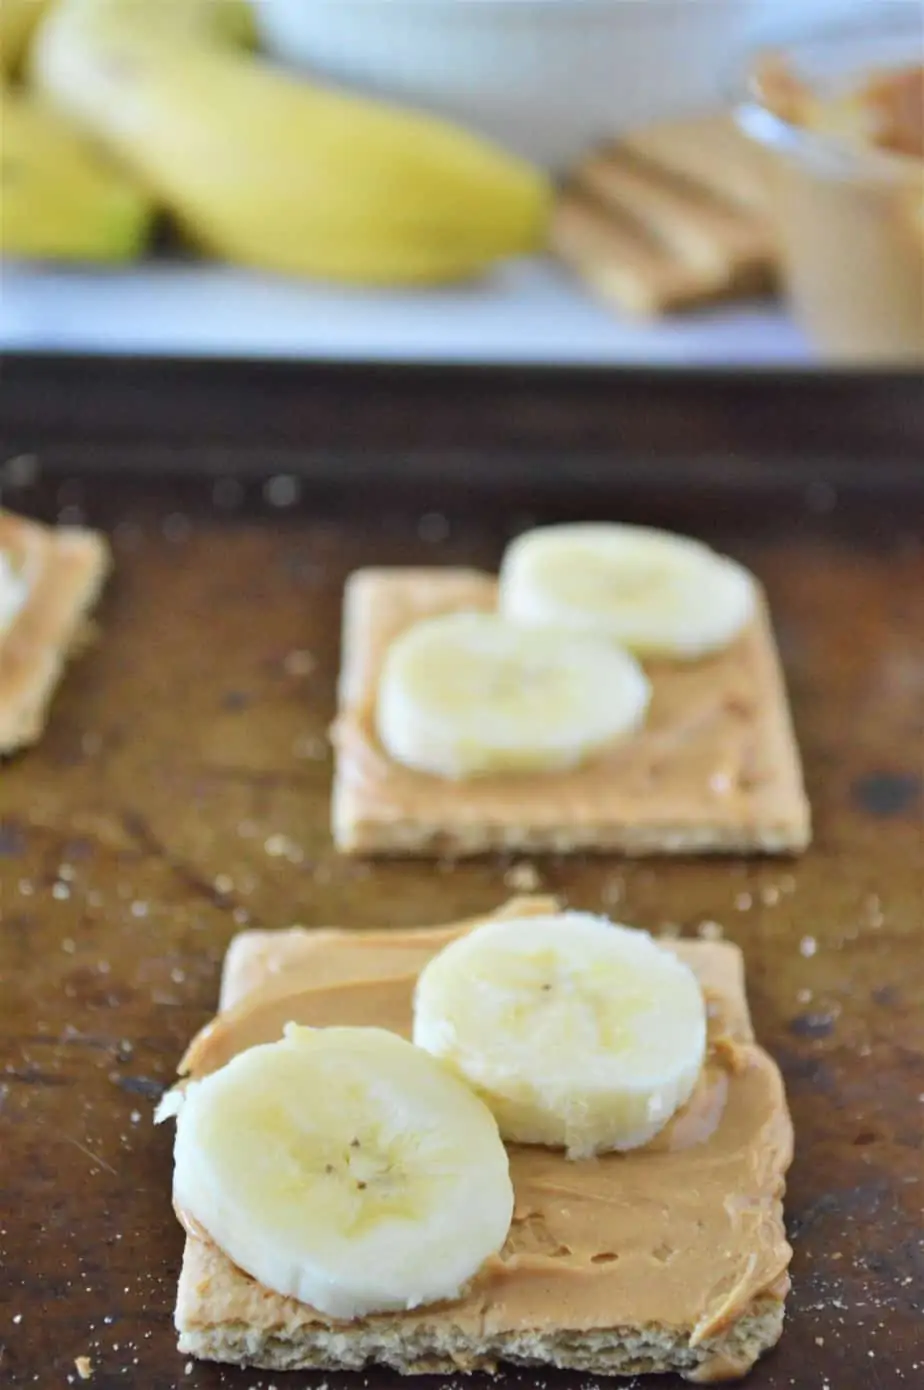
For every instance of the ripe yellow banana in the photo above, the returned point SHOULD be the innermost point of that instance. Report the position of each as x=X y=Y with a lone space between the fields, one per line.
x=272 y=171
x=61 y=198
x=18 y=20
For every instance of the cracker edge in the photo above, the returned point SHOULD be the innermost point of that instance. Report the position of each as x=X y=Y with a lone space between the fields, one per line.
x=50 y=628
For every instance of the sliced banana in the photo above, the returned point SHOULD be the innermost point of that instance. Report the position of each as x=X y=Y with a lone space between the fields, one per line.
x=345 y=1168
x=468 y=694
x=579 y=1034
x=655 y=593
x=14 y=590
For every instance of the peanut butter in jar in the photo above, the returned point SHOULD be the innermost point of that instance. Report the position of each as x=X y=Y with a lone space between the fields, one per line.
x=843 y=125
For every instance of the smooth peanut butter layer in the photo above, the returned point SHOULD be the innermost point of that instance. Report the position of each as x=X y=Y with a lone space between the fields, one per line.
x=671 y=1257
x=715 y=768
x=65 y=568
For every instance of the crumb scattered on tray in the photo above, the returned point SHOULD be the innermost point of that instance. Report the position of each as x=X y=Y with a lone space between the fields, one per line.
x=524 y=878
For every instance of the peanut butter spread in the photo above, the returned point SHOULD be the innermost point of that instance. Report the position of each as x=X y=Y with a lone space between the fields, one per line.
x=716 y=751
x=686 y=1233
x=883 y=112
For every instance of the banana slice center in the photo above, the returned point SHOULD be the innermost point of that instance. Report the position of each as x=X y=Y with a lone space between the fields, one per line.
x=604 y=582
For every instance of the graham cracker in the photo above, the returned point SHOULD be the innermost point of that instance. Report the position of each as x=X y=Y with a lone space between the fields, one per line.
x=714 y=770
x=66 y=567
x=668 y=217
x=222 y=1314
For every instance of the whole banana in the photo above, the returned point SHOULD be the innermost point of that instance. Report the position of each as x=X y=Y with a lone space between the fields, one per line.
x=18 y=20
x=61 y=197
x=265 y=169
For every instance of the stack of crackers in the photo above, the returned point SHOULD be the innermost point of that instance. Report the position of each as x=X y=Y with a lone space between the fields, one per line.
x=668 y=217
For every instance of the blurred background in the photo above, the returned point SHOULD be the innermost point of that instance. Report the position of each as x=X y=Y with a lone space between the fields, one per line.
x=657 y=184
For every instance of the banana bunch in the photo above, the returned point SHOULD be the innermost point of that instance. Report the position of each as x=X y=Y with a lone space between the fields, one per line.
x=265 y=169
x=62 y=198
x=552 y=679
x=360 y=1173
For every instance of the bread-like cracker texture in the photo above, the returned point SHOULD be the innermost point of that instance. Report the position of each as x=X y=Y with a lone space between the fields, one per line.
x=66 y=567
x=224 y=1315
x=668 y=216
x=715 y=769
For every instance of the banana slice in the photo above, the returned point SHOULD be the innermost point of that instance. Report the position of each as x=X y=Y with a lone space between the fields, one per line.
x=579 y=1034
x=14 y=591
x=470 y=693
x=343 y=1167
x=656 y=593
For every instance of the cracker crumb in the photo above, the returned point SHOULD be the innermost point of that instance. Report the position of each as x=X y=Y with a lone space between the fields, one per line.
x=310 y=746
x=60 y=891
x=613 y=892
x=523 y=877
x=281 y=847
x=744 y=901
x=299 y=663
x=223 y=884
x=710 y=931
x=808 y=946
x=84 y=1367
x=770 y=895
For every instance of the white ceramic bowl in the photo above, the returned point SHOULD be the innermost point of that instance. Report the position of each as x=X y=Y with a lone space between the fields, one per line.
x=546 y=78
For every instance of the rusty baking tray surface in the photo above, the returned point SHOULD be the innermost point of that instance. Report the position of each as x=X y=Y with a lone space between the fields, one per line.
x=181 y=793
